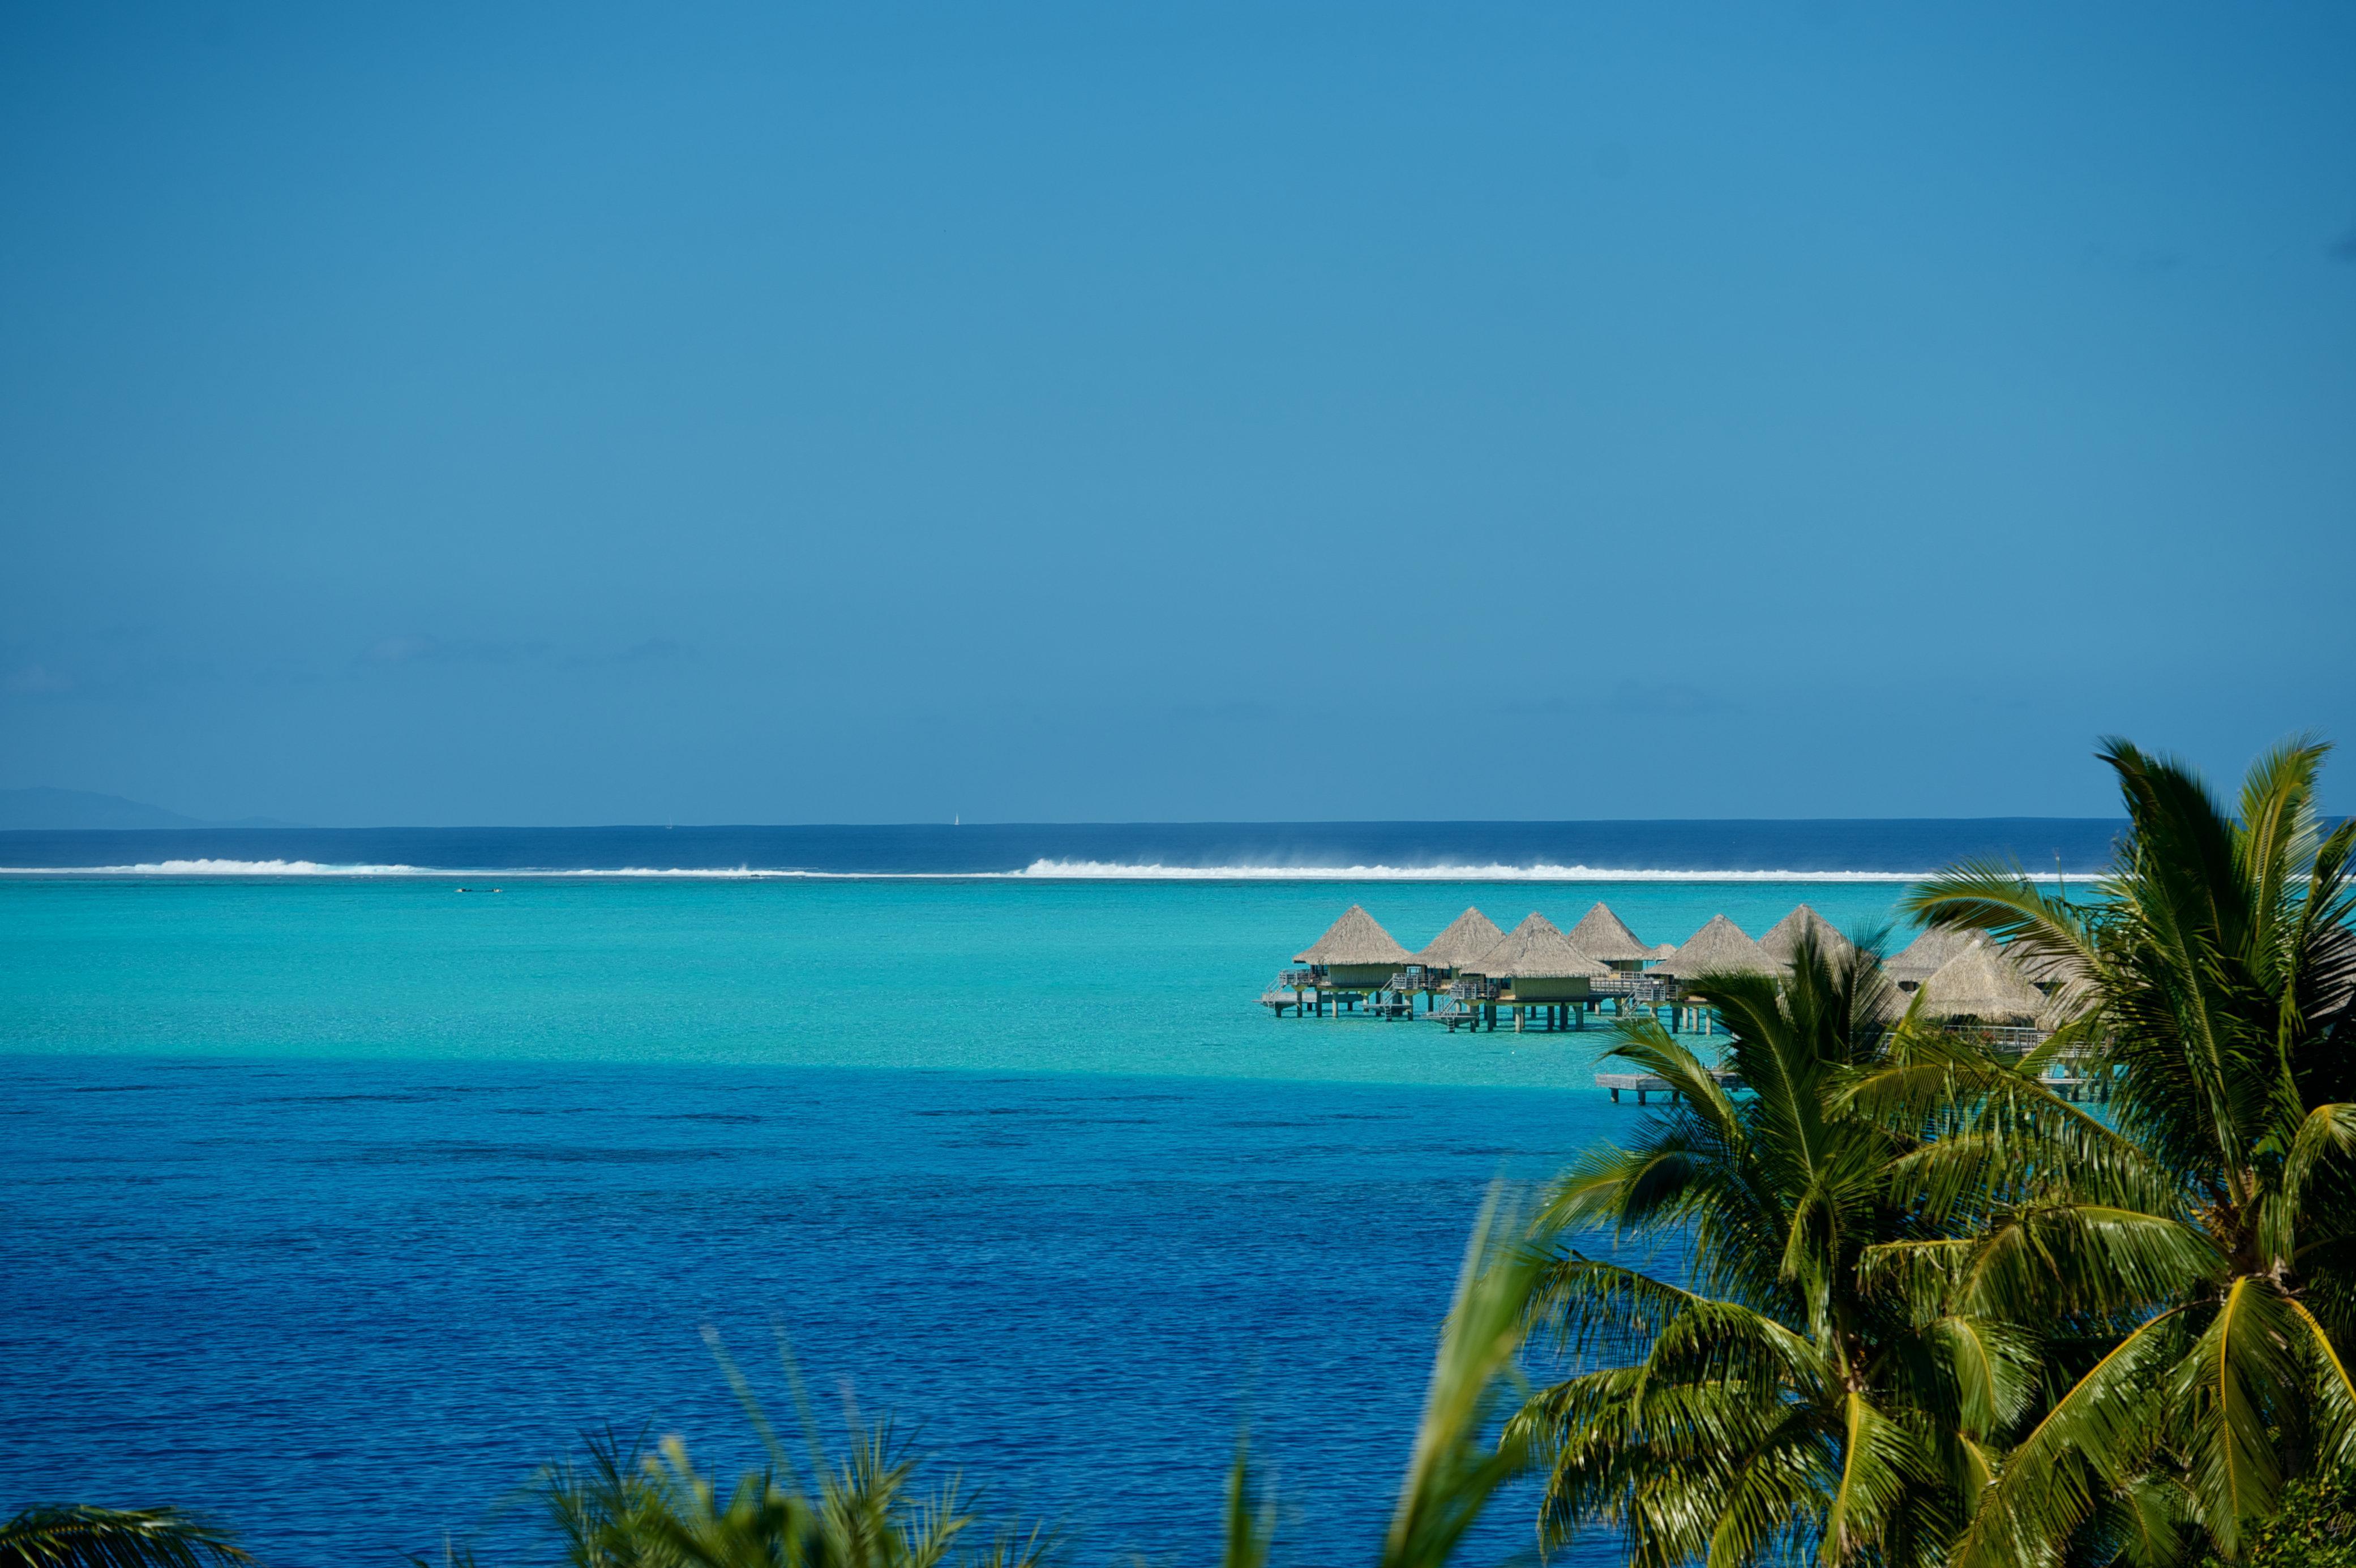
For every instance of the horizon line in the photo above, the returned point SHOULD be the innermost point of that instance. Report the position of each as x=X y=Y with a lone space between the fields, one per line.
x=279 y=827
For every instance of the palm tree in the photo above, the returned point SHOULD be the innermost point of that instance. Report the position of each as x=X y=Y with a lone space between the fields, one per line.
x=2194 y=1269
x=1773 y=1406
x=74 y=1536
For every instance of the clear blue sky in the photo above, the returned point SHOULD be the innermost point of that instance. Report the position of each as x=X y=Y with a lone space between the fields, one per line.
x=582 y=413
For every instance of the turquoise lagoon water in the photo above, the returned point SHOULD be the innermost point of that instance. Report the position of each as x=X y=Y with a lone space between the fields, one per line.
x=337 y=1204
x=1150 y=977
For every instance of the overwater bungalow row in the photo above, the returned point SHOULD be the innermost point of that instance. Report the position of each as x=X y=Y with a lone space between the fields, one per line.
x=1539 y=976
x=1472 y=972
x=1532 y=969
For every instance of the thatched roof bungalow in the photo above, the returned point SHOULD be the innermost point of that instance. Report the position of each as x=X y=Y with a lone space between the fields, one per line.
x=1782 y=942
x=1981 y=985
x=1466 y=938
x=1718 y=947
x=1605 y=936
x=1355 y=953
x=1925 y=953
x=1537 y=962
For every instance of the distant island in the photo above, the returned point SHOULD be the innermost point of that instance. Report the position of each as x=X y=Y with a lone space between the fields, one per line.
x=78 y=810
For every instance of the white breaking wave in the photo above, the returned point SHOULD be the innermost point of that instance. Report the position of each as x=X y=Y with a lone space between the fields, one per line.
x=731 y=873
x=1115 y=871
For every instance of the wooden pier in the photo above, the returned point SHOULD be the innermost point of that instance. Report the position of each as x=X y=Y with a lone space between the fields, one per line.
x=1642 y=1084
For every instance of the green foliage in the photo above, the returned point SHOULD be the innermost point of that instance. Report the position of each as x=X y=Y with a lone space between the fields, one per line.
x=2193 y=1275
x=627 y=1505
x=1798 y=1401
x=76 y=1536
x=1251 y=1515
x=2313 y=1527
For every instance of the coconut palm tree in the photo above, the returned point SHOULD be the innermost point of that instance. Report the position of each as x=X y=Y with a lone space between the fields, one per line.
x=1769 y=1405
x=75 y=1536
x=2194 y=1269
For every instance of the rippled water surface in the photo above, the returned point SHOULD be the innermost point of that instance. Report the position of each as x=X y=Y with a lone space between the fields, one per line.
x=334 y=1205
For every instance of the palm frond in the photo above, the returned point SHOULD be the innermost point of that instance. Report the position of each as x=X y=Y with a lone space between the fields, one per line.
x=2333 y=1412
x=2094 y=1439
x=1881 y=1460
x=1990 y=1364
x=78 y=1536
x=2051 y=1260
x=1452 y=1469
x=2000 y=898
x=1250 y=1515
x=2242 y=1377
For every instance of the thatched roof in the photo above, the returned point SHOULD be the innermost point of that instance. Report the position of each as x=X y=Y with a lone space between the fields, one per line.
x=1927 y=952
x=1354 y=938
x=1981 y=982
x=1718 y=947
x=2046 y=970
x=1468 y=936
x=1601 y=934
x=1782 y=942
x=2064 y=1003
x=1665 y=950
x=1536 y=949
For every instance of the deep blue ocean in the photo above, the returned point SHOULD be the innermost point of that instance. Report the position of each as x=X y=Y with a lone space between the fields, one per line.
x=1893 y=845
x=337 y=1201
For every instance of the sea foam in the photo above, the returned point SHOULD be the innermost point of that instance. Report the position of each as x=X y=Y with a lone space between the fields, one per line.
x=1112 y=871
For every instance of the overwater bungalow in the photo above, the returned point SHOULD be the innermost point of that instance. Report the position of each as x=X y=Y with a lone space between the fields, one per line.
x=1981 y=985
x=1783 y=939
x=1719 y=947
x=1924 y=954
x=1466 y=938
x=1985 y=989
x=1605 y=938
x=2067 y=986
x=1722 y=946
x=1531 y=969
x=1355 y=961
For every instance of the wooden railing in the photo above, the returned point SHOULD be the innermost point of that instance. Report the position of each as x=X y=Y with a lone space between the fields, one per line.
x=1635 y=987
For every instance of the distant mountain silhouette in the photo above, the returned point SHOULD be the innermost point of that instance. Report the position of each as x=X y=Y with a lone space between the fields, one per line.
x=83 y=809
